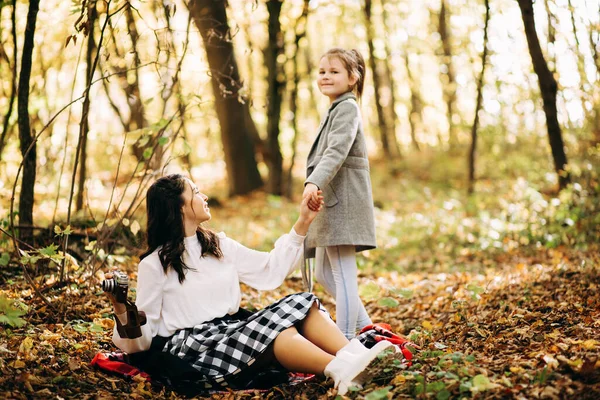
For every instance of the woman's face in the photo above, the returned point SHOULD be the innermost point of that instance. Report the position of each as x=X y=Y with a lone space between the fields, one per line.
x=195 y=207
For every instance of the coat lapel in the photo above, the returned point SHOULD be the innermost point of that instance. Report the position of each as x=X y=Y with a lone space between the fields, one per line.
x=313 y=148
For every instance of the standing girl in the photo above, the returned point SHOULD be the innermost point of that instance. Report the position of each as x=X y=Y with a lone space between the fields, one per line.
x=338 y=166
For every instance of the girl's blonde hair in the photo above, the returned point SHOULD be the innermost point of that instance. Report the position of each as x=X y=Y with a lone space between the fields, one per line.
x=354 y=63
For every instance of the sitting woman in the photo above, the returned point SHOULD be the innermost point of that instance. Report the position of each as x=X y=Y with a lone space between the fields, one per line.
x=188 y=287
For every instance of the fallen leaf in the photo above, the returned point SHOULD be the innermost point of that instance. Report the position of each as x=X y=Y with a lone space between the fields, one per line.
x=17 y=364
x=481 y=383
x=550 y=361
x=26 y=346
x=74 y=364
x=135 y=227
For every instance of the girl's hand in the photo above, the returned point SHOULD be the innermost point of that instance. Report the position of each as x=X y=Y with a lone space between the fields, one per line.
x=315 y=201
x=309 y=188
x=311 y=205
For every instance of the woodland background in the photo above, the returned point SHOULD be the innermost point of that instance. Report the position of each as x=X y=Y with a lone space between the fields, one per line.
x=483 y=127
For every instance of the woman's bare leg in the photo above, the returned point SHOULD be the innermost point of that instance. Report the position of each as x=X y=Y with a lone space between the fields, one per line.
x=319 y=329
x=296 y=353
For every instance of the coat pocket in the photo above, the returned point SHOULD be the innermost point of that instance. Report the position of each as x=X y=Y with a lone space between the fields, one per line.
x=329 y=196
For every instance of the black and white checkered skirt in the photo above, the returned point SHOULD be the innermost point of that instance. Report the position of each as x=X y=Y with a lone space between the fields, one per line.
x=223 y=347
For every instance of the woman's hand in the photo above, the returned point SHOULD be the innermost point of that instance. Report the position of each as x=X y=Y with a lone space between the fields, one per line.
x=310 y=206
x=119 y=308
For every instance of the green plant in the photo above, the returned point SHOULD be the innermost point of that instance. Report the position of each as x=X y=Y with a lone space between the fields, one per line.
x=542 y=376
x=10 y=315
x=49 y=252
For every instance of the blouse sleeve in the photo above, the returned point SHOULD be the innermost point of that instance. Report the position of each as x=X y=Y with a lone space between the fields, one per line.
x=151 y=279
x=266 y=270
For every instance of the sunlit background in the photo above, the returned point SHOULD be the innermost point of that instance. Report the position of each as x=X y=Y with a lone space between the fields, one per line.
x=406 y=36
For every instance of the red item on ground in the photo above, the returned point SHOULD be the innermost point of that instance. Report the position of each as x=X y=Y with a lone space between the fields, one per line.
x=117 y=367
x=114 y=363
x=385 y=333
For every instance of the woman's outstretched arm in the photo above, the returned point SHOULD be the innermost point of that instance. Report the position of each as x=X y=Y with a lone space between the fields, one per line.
x=267 y=270
x=308 y=212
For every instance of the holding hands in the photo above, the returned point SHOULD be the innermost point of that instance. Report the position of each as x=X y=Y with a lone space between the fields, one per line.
x=310 y=206
x=315 y=200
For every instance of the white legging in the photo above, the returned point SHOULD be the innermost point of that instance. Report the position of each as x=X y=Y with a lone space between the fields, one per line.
x=336 y=270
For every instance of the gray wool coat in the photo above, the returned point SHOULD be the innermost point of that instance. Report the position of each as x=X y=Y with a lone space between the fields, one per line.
x=338 y=164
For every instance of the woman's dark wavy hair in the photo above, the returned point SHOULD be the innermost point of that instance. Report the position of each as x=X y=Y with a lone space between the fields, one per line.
x=164 y=200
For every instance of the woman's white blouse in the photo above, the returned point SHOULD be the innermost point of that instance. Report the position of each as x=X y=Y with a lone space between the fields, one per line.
x=211 y=288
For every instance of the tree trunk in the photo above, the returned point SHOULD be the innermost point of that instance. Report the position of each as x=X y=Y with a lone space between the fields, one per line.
x=383 y=126
x=137 y=113
x=594 y=45
x=448 y=76
x=480 y=84
x=259 y=144
x=580 y=58
x=13 y=81
x=300 y=29
x=89 y=59
x=584 y=83
x=134 y=116
x=26 y=136
x=232 y=110
x=550 y=46
x=394 y=120
x=274 y=97
x=132 y=90
x=415 y=112
x=310 y=68
x=181 y=106
x=548 y=89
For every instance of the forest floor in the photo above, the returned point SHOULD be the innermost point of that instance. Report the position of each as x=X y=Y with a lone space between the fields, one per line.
x=498 y=311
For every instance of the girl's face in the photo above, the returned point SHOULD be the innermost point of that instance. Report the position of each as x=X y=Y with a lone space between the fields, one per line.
x=334 y=80
x=195 y=207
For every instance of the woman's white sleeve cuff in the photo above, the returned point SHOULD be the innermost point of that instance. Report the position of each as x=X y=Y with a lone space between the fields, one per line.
x=296 y=238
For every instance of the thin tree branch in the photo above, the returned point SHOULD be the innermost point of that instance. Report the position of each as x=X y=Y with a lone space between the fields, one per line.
x=64 y=160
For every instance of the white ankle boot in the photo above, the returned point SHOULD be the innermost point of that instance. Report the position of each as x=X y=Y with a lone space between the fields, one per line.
x=354 y=347
x=350 y=361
